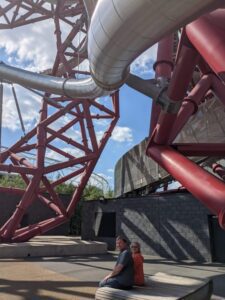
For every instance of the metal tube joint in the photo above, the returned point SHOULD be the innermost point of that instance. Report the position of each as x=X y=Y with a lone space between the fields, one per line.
x=168 y=105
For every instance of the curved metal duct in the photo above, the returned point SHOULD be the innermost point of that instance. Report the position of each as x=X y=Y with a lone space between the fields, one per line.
x=89 y=7
x=119 y=32
x=74 y=88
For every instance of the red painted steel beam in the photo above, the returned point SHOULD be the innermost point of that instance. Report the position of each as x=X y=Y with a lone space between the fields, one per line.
x=17 y=169
x=90 y=126
x=190 y=105
x=207 y=36
x=70 y=141
x=21 y=160
x=23 y=176
x=50 y=204
x=40 y=228
x=67 y=177
x=164 y=64
x=163 y=69
x=205 y=187
x=182 y=73
x=201 y=149
x=5 y=154
x=54 y=196
x=69 y=163
x=82 y=115
x=91 y=165
x=24 y=203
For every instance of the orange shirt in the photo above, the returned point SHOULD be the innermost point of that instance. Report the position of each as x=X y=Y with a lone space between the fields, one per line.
x=138 y=269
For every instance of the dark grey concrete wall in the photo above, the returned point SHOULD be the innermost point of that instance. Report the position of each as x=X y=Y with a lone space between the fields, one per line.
x=36 y=212
x=171 y=225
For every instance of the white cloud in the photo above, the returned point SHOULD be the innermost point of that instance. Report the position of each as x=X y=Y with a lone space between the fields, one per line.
x=122 y=134
x=101 y=122
x=73 y=151
x=103 y=175
x=110 y=170
x=72 y=132
x=32 y=45
x=29 y=106
x=143 y=64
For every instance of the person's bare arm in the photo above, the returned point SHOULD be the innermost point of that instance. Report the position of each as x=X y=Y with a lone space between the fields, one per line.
x=116 y=270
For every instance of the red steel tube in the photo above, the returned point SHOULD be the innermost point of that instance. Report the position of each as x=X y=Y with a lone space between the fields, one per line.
x=90 y=166
x=21 y=160
x=190 y=104
x=54 y=195
x=208 y=38
x=164 y=63
x=205 y=187
x=201 y=149
x=17 y=169
x=163 y=68
x=40 y=228
x=182 y=73
x=26 y=200
x=50 y=204
x=69 y=163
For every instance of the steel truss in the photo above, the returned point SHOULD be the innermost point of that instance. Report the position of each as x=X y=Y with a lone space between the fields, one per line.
x=178 y=97
x=200 y=50
x=80 y=115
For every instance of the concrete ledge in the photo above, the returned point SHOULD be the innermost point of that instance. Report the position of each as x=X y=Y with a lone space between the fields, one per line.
x=161 y=286
x=52 y=246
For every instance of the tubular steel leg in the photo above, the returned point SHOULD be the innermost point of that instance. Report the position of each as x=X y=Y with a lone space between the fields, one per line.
x=182 y=73
x=83 y=115
x=190 y=105
x=163 y=68
x=204 y=186
x=207 y=37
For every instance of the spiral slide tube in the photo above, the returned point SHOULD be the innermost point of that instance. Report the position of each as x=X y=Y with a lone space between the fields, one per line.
x=119 y=32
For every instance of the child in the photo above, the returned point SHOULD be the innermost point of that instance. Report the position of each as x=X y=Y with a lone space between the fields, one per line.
x=138 y=264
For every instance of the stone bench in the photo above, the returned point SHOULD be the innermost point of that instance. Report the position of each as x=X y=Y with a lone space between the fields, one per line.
x=161 y=286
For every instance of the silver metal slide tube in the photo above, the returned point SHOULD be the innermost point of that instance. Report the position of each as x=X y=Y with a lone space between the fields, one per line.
x=119 y=32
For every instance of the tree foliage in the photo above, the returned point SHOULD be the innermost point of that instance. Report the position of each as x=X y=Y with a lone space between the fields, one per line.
x=90 y=192
x=12 y=181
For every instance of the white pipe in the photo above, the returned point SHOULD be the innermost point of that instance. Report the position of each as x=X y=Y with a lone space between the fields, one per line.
x=89 y=7
x=120 y=31
x=74 y=88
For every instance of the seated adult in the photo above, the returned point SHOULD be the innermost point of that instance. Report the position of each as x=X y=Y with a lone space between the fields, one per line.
x=138 y=264
x=122 y=275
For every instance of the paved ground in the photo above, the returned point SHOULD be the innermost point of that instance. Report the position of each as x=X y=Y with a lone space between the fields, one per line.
x=77 y=277
x=52 y=245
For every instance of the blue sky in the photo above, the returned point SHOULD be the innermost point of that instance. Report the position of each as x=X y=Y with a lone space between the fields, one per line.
x=19 y=47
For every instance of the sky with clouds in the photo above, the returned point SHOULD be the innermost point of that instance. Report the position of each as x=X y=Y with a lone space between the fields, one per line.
x=33 y=47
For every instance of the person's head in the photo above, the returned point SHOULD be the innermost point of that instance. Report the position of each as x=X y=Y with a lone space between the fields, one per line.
x=135 y=247
x=121 y=243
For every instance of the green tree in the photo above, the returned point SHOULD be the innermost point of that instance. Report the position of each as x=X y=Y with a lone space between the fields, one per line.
x=65 y=188
x=12 y=181
x=109 y=194
x=92 y=192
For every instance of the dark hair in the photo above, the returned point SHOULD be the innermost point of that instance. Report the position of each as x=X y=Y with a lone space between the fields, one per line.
x=122 y=238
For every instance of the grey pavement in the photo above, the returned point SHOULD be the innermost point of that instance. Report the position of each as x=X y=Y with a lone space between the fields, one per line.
x=77 y=277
